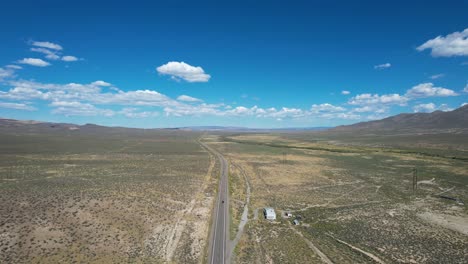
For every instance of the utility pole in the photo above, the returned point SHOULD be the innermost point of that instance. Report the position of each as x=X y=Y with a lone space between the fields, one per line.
x=415 y=179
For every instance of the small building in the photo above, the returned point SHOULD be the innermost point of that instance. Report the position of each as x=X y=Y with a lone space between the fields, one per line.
x=269 y=213
x=288 y=214
x=296 y=222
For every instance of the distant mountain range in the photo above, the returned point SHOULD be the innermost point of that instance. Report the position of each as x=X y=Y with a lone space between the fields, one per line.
x=246 y=129
x=416 y=122
x=31 y=126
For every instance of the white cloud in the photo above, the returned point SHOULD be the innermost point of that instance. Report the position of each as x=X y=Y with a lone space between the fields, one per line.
x=74 y=99
x=375 y=99
x=182 y=70
x=430 y=107
x=15 y=67
x=34 y=62
x=346 y=116
x=445 y=108
x=463 y=104
x=17 y=106
x=284 y=112
x=52 y=51
x=382 y=66
x=326 y=108
x=466 y=88
x=187 y=98
x=74 y=108
x=69 y=58
x=377 y=109
x=240 y=110
x=131 y=112
x=101 y=83
x=51 y=55
x=426 y=108
x=437 y=76
x=345 y=92
x=428 y=90
x=379 y=104
x=138 y=97
x=194 y=110
x=454 y=44
x=48 y=45
x=6 y=73
x=364 y=109
x=26 y=90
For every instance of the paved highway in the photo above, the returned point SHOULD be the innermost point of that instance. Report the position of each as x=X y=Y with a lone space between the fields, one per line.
x=217 y=253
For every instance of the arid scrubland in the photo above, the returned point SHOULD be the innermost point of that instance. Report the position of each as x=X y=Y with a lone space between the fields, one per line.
x=355 y=202
x=147 y=196
x=114 y=198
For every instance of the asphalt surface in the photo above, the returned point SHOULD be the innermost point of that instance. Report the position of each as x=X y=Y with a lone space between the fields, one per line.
x=217 y=253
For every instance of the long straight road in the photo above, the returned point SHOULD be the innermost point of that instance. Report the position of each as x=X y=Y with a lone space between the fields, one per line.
x=217 y=253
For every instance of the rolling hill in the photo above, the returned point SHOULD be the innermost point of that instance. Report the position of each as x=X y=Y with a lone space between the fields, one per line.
x=414 y=122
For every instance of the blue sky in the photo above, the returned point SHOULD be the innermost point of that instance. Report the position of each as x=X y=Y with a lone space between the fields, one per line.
x=255 y=64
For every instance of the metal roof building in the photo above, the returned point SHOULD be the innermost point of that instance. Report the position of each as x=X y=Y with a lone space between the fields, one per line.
x=269 y=213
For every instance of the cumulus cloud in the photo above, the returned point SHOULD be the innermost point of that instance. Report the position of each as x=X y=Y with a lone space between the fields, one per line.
x=75 y=99
x=183 y=109
x=375 y=99
x=46 y=44
x=34 y=62
x=426 y=108
x=431 y=107
x=454 y=44
x=131 y=112
x=51 y=55
x=51 y=51
x=69 y=58
x=382 y=66
x=28 y=90
x=364 y=109
x=184 y=71
x=428 y=90
x=6 y=73
x=445 y=107
x=82 y=99
x=326 y=108
x=239 y=111
x=74 y=108
x=101 y=83
x=286 y=112
x=345 y=92
x=378 y=109
x=15 y=67
x=346 y=116
x=380 y=103
x=186 y=98
x=17 y=106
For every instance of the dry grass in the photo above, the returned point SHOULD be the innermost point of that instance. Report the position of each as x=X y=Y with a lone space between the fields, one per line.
x=139 y=201
x=350 y=198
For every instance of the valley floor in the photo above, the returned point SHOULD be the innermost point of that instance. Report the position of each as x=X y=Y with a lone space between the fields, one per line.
x=355 y=204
